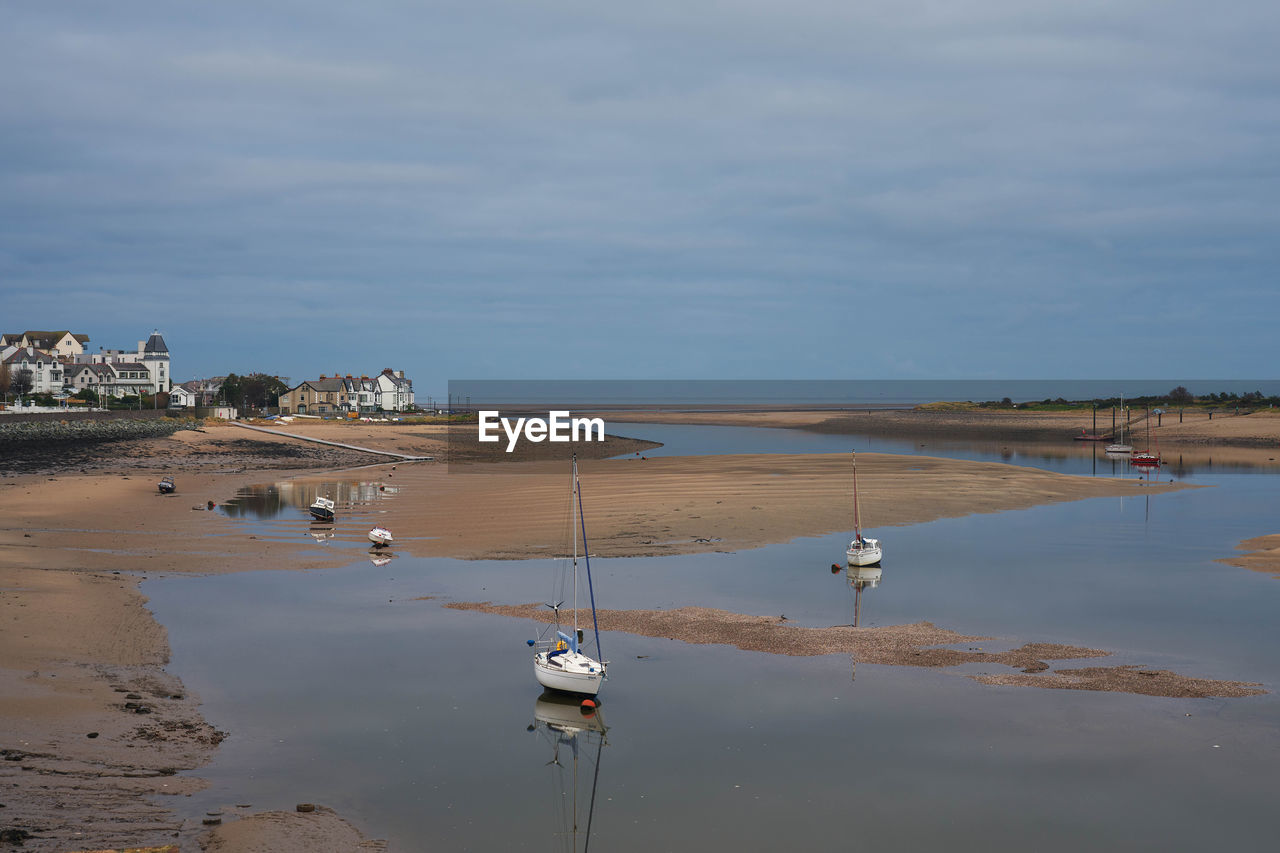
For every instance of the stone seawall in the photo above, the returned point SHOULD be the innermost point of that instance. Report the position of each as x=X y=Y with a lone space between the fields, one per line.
x=14 y=416
x=18 y=436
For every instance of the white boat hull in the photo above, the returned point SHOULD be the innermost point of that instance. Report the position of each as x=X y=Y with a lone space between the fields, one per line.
x=576 y=676
x=868 y=555
x=380 y=536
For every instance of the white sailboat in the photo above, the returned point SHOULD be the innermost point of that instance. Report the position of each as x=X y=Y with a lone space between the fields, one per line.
x=1120 y=446
x=863 y=551
x=558 y=660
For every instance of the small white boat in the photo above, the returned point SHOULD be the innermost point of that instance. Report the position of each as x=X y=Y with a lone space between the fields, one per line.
x=558 y=661
x=380 y=536
x=1120 y=448
x=322 y=509
x=863 y=551
x=166 y=486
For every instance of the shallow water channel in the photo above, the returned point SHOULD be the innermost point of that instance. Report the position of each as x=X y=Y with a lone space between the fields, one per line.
x=355 y=688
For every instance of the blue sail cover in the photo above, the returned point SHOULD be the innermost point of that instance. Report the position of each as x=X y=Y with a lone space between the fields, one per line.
x=572 y=641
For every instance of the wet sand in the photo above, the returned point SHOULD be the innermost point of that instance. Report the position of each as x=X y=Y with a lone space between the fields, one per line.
x=76 y=641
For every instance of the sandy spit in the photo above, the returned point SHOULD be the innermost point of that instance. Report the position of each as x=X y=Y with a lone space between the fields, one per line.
x=1262 y=554
x=896 y=645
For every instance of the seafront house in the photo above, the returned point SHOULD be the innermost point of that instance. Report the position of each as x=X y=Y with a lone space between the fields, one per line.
x=395 y=393
x=124 y=379
x=45 y=371
x=62 y=345
x=152 y=355
x=389 y=391
x=327 y=395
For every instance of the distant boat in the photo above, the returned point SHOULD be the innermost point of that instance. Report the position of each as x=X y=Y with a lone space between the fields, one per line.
x=1120 y=446
x=380 y=536
x=863 y=551
x=322 y=509
x=1147 y=458
x=166 y=486
x=558 y=661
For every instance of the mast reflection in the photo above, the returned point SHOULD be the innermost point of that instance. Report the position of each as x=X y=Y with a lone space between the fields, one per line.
x=571 y=730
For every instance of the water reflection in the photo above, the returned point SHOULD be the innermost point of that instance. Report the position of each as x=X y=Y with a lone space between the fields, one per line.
x=290 y=498
x=321 y=532
x=860 y=578
x=1066 y=456
x=379 y=557
x=570 y=730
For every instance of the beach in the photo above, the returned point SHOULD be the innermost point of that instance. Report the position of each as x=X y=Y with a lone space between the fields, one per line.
x=82 y=526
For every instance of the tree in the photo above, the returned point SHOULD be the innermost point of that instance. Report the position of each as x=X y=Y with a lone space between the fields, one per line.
x=86 y=394
x=257 y=390
x=22 y=381
x=6 y=381
x=1180 y=395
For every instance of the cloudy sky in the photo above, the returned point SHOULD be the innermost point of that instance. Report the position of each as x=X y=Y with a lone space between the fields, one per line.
x=693 y=189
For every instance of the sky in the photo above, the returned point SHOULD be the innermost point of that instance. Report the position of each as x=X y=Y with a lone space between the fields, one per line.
x=815 y=189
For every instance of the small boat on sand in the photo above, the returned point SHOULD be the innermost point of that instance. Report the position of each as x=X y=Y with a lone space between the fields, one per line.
x=166 y=486
x=322 y=509
x=381 y=537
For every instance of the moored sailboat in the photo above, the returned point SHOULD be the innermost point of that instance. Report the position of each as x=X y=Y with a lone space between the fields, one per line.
x=863 y=551
x=558 y=661
x=1148 y=458
x=1119 y=446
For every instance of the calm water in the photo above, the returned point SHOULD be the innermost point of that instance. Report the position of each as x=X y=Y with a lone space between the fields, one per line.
x=425 y=726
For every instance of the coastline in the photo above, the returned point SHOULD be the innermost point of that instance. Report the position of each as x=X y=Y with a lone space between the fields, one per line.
x=68 y=530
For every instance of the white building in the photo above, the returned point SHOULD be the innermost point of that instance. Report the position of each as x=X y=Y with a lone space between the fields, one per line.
x=123 y=379
x=181 y=398
x=395 y=393
x=45 y=370
x=152 y=354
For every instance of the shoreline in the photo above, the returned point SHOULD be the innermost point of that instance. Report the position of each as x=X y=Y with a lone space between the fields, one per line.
x=93 y=518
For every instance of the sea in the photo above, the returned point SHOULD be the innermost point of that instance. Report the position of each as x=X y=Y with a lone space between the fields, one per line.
x=357 y=689
x=694 y=395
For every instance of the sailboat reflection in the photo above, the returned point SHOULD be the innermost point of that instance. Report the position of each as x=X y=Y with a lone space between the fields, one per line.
x=567 y=725
x=860 y=578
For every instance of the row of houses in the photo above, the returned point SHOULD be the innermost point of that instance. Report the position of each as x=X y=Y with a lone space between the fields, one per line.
x=389 y=391
x=58 y=362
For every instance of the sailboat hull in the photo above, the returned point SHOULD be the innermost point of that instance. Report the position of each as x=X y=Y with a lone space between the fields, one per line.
x=864 y=556
x=579 y=674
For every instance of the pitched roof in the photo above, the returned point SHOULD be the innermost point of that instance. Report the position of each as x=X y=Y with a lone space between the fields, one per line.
x=29 y=354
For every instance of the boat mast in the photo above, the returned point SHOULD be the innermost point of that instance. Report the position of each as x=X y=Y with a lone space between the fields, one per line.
x=575 y=501
x=857 y=520
x=586 y=555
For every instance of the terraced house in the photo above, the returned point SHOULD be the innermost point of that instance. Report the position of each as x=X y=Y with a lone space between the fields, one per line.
x=389 y=391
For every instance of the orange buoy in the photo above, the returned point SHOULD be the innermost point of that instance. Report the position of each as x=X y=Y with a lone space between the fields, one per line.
x=588 y=707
